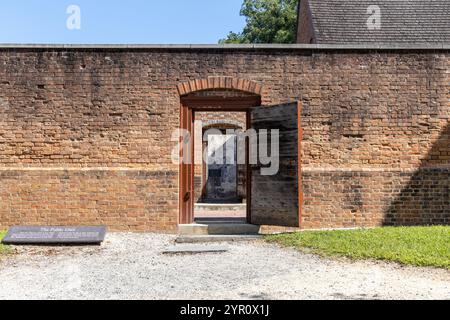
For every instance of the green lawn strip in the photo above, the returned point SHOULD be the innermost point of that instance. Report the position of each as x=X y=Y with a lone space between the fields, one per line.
x=420 y=246
x=3 y=249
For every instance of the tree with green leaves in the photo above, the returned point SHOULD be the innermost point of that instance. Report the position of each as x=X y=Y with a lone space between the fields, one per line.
x=268 y=21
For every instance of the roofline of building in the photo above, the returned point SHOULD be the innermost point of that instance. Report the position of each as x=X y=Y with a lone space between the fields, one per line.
x=367 y=46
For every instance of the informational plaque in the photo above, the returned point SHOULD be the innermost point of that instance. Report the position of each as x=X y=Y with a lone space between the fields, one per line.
x=55 y=235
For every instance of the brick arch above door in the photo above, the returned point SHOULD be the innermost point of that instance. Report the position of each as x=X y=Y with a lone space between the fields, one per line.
x=211 y=83
x=222 y=124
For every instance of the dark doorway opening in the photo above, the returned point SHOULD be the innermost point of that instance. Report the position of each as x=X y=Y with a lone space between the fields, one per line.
x=210 y=189
x=220 y=182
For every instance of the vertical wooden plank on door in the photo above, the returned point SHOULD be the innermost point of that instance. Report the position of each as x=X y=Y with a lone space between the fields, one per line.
x=186 y=169
x=299 y=161
x=248 y=169
x=182 y=173
x=191 y=166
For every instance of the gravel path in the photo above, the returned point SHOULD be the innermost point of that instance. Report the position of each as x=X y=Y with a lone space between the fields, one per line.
x=131 y=266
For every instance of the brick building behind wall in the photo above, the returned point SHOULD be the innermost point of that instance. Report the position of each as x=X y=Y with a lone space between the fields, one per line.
x=85 y=133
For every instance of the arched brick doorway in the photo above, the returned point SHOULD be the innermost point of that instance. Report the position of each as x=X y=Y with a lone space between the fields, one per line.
x=214 y=94
x=274 y=200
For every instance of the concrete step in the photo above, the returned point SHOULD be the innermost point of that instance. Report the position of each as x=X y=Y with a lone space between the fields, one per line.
x=218 y=228
x=210 y=220
x=224 y=228
x=217 y=238
x=193 y=229
x=195 y=249
x=220 y=207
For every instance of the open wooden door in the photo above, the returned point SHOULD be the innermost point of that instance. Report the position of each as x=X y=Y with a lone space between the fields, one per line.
x=186 y=200
x=276 y=199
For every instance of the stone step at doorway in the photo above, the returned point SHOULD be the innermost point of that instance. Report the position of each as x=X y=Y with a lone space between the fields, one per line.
x=220 y=210
x=220 y=206
x=218 y=226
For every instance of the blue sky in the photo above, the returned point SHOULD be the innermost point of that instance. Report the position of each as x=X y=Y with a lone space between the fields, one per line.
x=120 y=21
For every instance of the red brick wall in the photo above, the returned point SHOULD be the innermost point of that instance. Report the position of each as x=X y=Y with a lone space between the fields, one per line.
x=85 y=134
x=123 y=199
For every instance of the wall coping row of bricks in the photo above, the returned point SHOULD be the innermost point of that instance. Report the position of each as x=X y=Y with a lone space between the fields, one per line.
x=360 y=46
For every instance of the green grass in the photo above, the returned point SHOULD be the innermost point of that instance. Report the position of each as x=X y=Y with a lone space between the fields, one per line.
x=420 y=246
x=3 y=249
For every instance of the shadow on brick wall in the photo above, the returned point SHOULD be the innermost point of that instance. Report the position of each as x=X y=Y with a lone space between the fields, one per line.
x=426 y=198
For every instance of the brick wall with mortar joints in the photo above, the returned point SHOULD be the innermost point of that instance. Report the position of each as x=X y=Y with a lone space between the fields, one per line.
x=104 y=109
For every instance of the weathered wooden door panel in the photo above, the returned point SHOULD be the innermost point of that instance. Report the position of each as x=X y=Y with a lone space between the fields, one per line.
x=276 y=199
x=186 y=168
